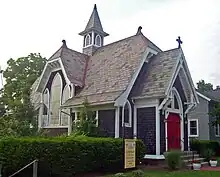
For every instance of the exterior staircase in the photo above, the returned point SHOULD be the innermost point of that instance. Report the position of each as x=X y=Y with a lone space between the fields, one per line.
x=189 y=156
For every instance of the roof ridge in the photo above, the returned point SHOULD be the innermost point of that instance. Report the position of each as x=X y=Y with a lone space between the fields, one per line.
x=56 y=52
x=115 y=42
x=146 y=38
x=170 y=50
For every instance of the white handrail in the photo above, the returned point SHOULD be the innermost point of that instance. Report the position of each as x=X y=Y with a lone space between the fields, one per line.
x=35 y=162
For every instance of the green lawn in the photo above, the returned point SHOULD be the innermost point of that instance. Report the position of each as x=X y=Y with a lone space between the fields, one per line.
x=179 y=174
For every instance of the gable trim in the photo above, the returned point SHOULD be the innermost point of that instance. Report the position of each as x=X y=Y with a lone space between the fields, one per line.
x=203 y=96
x=120 y=101
x=185 y=69
x=63 y=71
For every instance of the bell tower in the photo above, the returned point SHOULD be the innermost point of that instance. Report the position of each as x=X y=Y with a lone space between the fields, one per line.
x=93 y=35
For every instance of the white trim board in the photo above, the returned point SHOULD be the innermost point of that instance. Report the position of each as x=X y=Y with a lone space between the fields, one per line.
x=154 y=157
x=42 y=74
x=203 y=96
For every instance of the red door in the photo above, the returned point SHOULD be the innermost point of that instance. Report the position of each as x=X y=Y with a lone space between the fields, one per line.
x=173 y=131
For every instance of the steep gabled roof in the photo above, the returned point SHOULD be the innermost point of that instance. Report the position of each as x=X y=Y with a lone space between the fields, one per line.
x=110 y=70
x=156 y=74
x=94 y=23
x=74 y=63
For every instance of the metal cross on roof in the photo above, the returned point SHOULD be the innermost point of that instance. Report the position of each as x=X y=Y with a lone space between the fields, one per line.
x=179 y=41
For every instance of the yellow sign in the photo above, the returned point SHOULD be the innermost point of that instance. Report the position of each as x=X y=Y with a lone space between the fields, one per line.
x=129 y=153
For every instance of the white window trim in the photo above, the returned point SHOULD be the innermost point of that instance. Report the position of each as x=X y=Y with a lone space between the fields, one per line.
x=61 y=89
x=98 y=36
x=130 y=115
x=87 y=36
x=48 y=109
x=197 y=126
x=218 y=130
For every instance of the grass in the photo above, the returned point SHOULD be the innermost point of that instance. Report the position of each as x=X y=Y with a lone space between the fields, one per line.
x=178 y=174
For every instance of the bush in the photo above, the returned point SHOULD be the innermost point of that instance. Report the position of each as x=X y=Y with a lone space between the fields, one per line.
x=63 y=156
x=173 y=159
x=207 y=154
x=201 y=146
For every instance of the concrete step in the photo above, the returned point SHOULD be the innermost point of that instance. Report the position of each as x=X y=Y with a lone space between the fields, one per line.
x=200 y=159
x=185 y=157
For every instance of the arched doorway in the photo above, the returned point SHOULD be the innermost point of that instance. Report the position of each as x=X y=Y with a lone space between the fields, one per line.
x=174 y=122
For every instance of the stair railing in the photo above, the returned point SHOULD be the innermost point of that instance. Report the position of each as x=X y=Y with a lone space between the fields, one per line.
x=35 y=165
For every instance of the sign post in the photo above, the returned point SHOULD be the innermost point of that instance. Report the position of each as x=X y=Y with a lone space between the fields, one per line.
x=129 y=153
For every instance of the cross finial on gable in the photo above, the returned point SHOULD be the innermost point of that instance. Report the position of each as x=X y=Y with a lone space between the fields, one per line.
x=179 y=41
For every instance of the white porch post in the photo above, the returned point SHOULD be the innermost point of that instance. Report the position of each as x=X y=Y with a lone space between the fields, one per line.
x=135 y=122
x=157 y=131
x=117 y=122
x=70 y=123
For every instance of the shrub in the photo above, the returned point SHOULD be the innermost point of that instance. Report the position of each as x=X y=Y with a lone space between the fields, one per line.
x=173 y=159
x=137 y=173
x=63 y=155
x=207 y=154
x=201 y=146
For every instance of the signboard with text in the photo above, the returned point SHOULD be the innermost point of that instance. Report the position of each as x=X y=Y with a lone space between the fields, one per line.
x=129 y=153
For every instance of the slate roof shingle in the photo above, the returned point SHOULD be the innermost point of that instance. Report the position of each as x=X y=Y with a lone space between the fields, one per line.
x=158 y=73
x=111 y=68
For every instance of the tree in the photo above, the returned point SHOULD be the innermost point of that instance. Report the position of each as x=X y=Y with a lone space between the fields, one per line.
x=86 y=125
x=202 y=86
x=19 y=76
x=216 y=113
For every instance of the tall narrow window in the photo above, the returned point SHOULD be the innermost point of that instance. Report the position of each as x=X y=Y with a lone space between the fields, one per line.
x=65 y=112
x=126 y=115
x=217 y=130
x=193 y=128
x=56 y=90
x=87 y=40
x=98 y=40
x=46 y=109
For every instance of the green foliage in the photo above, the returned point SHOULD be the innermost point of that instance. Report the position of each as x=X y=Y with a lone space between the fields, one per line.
x=15 y=97
x=202 y=86
x=137 y=173
x=86 y=125
x=14 y=127
x=173 y=159
x=201 y=146
x=215 y=112
x=64 y=156
x=207 y=154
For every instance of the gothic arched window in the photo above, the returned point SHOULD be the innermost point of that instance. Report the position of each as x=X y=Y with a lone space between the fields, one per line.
x=65 y=97
x=127 y=115
x=56 y=90
x=46 y=107
x=87 y=40
x=98 y=40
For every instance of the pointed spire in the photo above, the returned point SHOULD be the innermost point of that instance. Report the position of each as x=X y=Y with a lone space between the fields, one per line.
x=94 y=23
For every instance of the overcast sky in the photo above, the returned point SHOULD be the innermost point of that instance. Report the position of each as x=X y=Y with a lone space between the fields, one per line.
x=40 y=25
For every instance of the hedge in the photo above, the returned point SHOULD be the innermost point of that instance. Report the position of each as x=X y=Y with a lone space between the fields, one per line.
x=63 y=156
x=201 y=146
